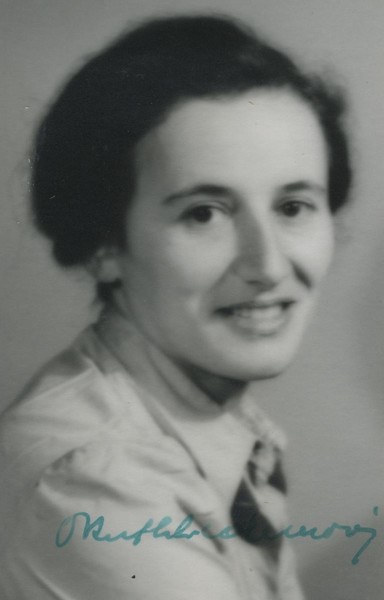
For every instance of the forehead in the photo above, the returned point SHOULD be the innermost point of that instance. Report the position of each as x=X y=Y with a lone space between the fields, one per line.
x=264 y=132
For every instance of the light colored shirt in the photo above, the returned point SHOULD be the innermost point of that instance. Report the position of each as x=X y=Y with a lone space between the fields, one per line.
x=113 y=431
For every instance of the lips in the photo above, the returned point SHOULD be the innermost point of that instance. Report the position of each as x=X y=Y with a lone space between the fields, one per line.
x=261 y=318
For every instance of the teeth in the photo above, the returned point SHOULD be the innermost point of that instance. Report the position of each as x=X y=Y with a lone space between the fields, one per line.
x=256 y=319
x=267 y=312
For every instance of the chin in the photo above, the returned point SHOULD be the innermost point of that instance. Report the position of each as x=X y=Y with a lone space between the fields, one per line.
x=264 y=371
x=268 y=372
x=263 y=367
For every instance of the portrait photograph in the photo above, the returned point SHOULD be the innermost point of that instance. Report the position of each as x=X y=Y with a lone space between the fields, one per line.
x=192 y=300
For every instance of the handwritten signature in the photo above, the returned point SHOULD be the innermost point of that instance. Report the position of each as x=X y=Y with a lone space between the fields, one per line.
x=95 y=529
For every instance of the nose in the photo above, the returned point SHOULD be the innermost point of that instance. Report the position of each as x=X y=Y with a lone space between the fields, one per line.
x=262 y=258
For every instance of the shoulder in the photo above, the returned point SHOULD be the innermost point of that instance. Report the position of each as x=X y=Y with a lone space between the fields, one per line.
x=79 y=397
x=115 y=489
x=120 y=491
x=88 y=454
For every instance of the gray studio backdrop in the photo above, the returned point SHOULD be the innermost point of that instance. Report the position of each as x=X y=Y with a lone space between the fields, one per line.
x=331 y=401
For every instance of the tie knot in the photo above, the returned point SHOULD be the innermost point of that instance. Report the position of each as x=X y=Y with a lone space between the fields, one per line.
x=262 y=462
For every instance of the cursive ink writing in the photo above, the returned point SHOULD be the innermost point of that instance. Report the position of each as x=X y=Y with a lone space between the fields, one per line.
x=349 y=531
x=94 y=528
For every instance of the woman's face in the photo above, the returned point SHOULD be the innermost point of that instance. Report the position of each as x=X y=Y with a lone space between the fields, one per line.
x=229 y=233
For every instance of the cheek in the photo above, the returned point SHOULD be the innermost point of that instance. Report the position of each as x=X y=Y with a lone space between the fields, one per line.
x=164 y=279
x=190 y=265
x=319 y=253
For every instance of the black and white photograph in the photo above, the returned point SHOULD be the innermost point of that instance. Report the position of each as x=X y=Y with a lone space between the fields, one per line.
x=192 y=300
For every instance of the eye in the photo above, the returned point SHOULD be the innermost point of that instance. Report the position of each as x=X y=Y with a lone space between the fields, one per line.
x=204 y=214
x=200 y=214
x=294 y=208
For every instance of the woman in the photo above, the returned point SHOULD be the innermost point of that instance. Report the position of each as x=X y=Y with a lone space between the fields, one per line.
x=194 y=171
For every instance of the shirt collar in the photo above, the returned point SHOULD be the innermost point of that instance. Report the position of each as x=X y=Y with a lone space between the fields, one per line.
x=219 y=438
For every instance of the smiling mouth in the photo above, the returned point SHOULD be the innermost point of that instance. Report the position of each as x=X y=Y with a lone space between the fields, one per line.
x=258 y=318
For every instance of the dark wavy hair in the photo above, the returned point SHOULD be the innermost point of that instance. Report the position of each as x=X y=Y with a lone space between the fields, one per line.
x=83 y=164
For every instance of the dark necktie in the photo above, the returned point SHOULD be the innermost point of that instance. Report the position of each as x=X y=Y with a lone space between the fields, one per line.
x=258 y=509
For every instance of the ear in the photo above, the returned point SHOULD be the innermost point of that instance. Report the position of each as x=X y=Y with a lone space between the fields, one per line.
x=104 y=265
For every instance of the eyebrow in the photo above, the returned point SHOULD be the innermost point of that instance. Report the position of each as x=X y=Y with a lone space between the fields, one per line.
x=305 y=186
x=207 y=189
